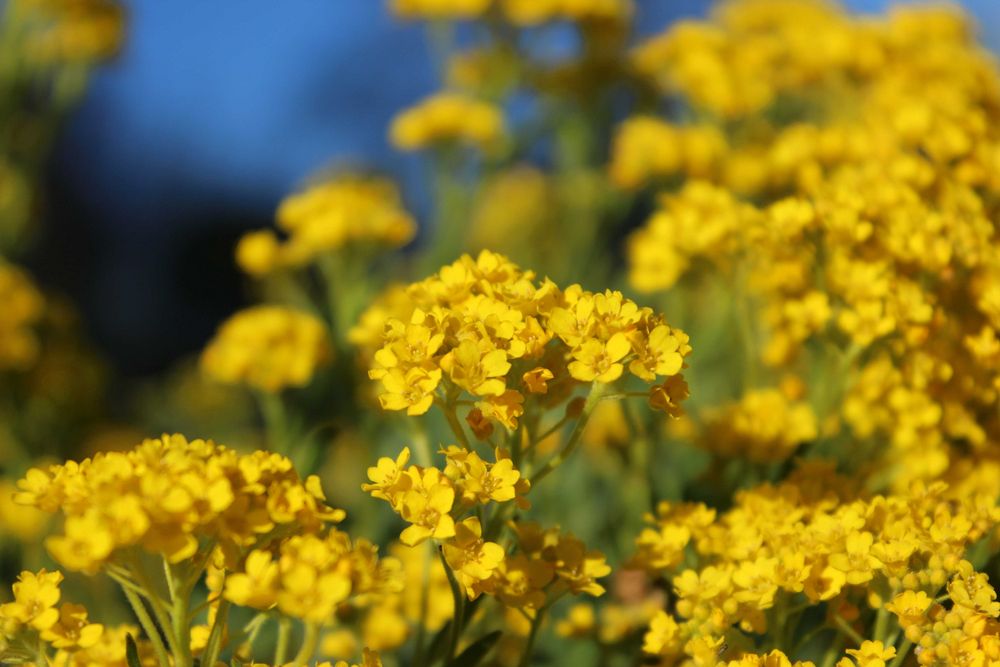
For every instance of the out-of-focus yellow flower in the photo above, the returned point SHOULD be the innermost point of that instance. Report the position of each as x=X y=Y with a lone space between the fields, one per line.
x=448 y=118
x=22 y=311
x=438 y=10
x=344 y=212
x=22 y=523
x=268 y=348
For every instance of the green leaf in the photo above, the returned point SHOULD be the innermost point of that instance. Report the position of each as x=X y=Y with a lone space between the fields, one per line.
x=132 y=652
x=478 y=650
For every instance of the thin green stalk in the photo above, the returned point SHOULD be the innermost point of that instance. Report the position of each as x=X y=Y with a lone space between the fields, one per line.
x=448 y=408
x=846 y=629
x=211 y=653
x=529 y=645
x=881 y=623
x=155 y=601
x=309 y=643
x=272 y=409
x=146 y=621
x=418 y=651
x=284 y=635
x=832 y=653
x=901 y=654
x=596 y=392
x=179 y=619
x=455 y=630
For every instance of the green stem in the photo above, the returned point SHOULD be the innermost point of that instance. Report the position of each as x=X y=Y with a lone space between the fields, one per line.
x=272 y=409
x=881 y=623
x=448 y=408
x=596 y=392
x=146 y=621
x=901 y=654
x=455 y=630
x=284 y=634
x=155 y=601
x=418 y=652
x=846 y=629
x=214 y=645
x=180 y=622
x=309 y=643
x=832 y=653
x=529 y=645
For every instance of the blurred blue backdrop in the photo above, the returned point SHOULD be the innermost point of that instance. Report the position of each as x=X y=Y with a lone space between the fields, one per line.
x=211 y=114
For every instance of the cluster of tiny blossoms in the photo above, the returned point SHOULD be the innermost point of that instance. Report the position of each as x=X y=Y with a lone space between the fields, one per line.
x=547 y=563
x=36 y=628
x=334 y=213
x=489 y=329
x=268 y=348
x=862 y=242
x=814 y=541
x=259 y=536
x=172 y=496
x=447 y=118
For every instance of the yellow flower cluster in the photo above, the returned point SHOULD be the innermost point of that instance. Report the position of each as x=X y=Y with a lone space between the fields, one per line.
x=448 y=118
x=22 y=310
x=440 y=9
x=966 y=632
x=646 y=149
x=547 y=565
x=347 y=210
x=486 y=327
x=172 y=496
x=811 y=540
x=311 y=576
x=36 y=629
x=269 y=348
x=764 y=426
x=433 y=502
x=848 y=198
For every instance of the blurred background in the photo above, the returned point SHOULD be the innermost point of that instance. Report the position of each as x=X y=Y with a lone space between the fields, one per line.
x=210 y=114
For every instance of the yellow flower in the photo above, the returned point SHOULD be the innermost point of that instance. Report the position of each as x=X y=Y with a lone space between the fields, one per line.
x=268 y=348
x=472 y=559
x=412 y=390
x=73 y=631
x=256 y=585
x=856 y=562
x=476 y=370
x=35 y=598
x=439 y=10
x=447 y=117
x=427 y=506
x=536 y=380
x=506 y=408
x=596 y=361
x=387 y=477
x=667 y=397
x=872 y=654
x=910 y=607
x=663 y=637
x=258 y=253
